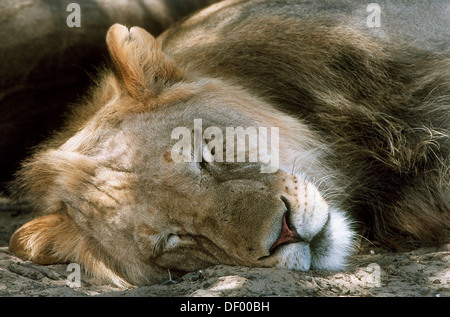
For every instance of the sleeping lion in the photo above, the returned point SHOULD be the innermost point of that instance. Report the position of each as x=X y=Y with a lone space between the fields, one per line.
x=263 y=133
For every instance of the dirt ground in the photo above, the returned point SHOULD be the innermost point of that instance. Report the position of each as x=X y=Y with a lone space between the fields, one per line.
x=373 y=271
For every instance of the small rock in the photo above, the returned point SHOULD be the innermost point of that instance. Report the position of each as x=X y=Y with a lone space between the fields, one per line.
x=437 y=281
x=25 y=271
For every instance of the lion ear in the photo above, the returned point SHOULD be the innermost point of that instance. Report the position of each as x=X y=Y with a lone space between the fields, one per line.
x=48 y=239
x=141 y=64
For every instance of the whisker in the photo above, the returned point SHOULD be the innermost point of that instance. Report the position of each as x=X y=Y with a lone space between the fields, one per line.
x=293 y=164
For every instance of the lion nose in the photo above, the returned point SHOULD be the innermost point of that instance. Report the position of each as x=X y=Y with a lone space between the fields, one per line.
x=287 y=235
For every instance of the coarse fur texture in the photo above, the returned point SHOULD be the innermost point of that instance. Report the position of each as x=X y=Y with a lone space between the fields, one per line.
x=364 y=146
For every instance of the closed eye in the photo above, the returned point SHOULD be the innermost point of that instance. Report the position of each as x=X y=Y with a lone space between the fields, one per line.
x=159 y=242
x=163 y=242
x=202 y=165
x=172 y=241
x=206 y=157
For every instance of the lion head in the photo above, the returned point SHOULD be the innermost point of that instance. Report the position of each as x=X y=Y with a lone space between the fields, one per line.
x=122 y=197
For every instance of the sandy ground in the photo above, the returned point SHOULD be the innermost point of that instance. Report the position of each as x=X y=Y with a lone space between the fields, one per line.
x=373 y=271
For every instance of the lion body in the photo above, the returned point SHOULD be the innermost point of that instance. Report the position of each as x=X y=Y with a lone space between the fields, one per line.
x=364 y=145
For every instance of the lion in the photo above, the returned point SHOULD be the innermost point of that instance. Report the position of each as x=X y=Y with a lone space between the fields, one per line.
x=359 y=127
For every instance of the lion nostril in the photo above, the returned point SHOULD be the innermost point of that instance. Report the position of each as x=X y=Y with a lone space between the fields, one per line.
x=286 y=203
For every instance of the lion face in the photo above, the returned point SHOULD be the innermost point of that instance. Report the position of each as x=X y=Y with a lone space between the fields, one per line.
x=126 y=201
x=196 y=214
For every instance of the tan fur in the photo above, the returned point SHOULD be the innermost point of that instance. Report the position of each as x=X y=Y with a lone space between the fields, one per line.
x=364 y=133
